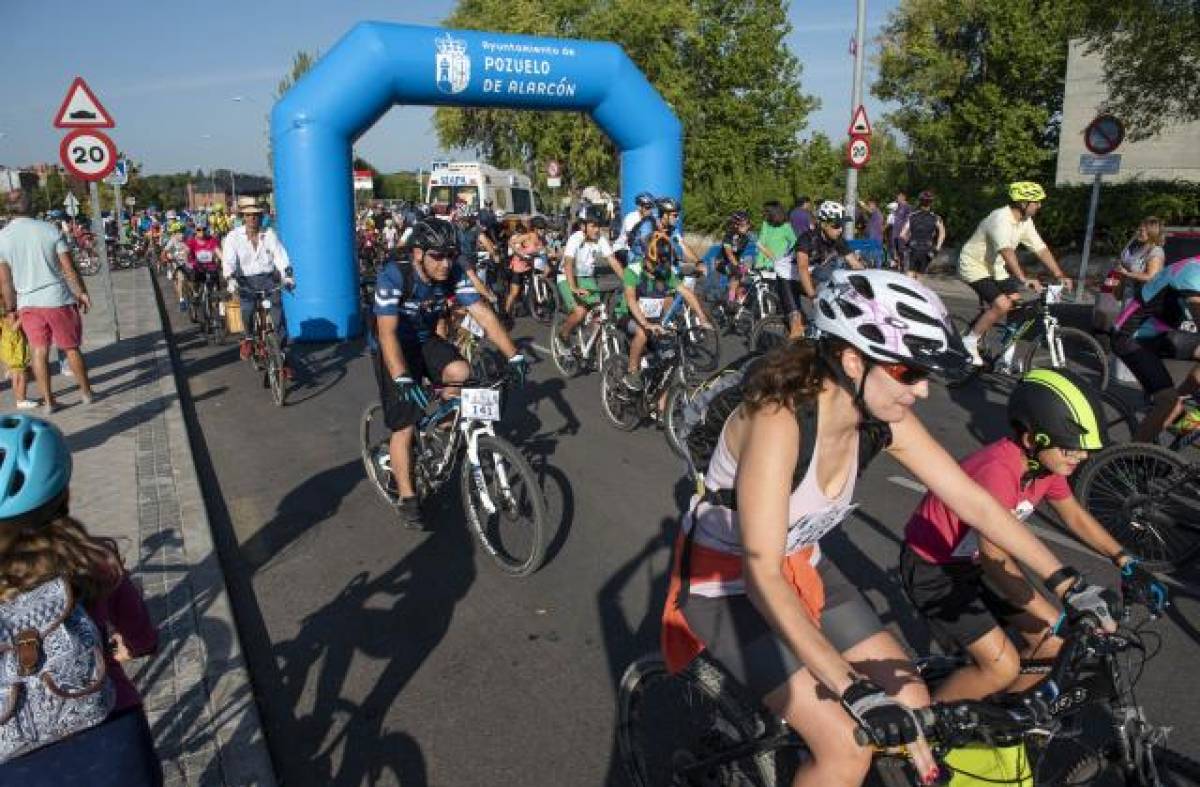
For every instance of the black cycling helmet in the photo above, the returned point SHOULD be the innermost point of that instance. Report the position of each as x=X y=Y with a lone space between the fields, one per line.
x=666 y=205
x=644 y=200
x=538 y=222
x=738 y=216
x=925 y=197
x=1059 y=409
x=592 y=215
x=434 y=234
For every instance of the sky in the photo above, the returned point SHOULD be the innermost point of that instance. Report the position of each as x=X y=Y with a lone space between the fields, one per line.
x=190 y=84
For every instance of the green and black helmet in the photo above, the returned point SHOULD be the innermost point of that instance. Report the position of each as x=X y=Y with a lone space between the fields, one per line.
x=1059 y=409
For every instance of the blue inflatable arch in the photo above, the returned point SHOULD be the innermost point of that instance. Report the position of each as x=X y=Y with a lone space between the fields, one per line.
x=377 y=65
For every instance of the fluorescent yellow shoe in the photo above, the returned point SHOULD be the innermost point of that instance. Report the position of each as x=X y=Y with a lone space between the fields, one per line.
x=1188 y=422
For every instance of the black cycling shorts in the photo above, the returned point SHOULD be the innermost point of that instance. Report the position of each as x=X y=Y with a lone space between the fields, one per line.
x=919 y=259
x=791 y=296
x=425 y=361
x=990 y=289
x=954 y=598
x=1144 y=356
x=736 y=634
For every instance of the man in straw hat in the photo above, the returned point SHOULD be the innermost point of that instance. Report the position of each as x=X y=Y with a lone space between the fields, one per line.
x=253 y=260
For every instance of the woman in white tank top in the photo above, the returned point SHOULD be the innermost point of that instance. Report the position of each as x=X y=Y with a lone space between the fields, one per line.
x=757 y=595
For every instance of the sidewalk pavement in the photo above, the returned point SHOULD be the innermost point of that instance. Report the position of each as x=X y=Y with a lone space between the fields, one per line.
x=134 y=480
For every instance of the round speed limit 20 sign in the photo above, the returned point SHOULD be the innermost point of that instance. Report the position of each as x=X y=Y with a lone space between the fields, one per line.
x=88 y=154
x=858 y=152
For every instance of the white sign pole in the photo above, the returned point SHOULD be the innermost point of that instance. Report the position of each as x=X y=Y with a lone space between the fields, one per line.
x=101 y=248
x=119 y=206
x=860 y=46
x=1087 y=237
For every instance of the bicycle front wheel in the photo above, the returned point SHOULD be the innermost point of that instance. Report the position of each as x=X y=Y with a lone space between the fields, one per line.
x=667 y=722
x=1081 y=353
x=566 y=361
x=620 y=404
x=274 y=370
x=1139 y=495
x=677 y=401
x=374 y=439
x=701 y=351
x=1170 y=769
x=505 y=506
x=768 y=333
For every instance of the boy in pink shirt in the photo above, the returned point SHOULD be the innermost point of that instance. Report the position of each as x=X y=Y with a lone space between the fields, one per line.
x=969 y=589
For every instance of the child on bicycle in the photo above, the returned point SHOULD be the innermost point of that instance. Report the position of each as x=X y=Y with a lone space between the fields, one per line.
x=40 y=542
x=969 y=589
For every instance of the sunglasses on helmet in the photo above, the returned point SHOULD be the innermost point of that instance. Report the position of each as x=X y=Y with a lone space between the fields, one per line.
x=903 y=373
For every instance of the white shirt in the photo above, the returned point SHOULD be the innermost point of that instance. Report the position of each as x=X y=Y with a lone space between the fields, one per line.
x=980 y=257
x=240 y=256
x=585 y=253
x=627 y=224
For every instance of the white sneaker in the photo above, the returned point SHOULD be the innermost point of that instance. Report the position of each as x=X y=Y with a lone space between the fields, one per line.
x=26 y=404
x=971 y=343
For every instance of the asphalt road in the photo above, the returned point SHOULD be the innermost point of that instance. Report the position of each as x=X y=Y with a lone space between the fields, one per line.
x=383 y=656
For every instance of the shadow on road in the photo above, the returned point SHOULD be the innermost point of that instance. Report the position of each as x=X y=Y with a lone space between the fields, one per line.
x=342 y=741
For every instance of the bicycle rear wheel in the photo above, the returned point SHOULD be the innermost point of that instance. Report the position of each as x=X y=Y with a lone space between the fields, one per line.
x=1139 y=494
x=505 y=506
x=666 y=722
x=1081 y=353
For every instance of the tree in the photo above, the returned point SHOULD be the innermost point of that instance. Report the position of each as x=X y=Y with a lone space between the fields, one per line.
x=1151 y=59
x=723 y=67
x=980 y=85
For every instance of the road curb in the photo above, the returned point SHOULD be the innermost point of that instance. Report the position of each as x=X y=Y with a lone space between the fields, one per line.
x=239 y=743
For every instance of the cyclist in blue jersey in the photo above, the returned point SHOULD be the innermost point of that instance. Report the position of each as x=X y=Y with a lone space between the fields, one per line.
x=1148 y=329
x=411 y=304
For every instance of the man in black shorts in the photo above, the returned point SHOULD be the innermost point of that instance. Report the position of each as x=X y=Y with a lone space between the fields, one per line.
x=411 y=302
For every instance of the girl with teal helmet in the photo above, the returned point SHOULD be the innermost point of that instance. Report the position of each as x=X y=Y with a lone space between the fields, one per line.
x=47 y=557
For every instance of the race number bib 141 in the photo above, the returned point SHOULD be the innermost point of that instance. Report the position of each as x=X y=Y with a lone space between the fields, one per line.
x=481 y=404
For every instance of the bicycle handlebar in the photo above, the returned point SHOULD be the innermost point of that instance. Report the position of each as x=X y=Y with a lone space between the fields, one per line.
x=965 y=721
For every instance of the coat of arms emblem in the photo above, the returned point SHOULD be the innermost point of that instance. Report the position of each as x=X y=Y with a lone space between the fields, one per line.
x=453 y=64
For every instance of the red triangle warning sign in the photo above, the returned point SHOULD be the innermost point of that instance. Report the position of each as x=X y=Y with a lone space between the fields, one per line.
x=81 y=109
x=859 y=125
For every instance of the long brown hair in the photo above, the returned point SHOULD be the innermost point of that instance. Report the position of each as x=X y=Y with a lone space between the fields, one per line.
x=61 y=547
x=790 y=374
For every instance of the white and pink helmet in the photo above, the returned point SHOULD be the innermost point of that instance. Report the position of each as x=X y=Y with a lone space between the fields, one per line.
x=891 y=318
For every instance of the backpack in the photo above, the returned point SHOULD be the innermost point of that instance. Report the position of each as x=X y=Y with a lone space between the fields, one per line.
x=646 y=240
x=53 y=681
x=922 y=230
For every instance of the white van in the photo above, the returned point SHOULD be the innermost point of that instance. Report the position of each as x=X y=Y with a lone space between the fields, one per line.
x=472 y=182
